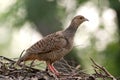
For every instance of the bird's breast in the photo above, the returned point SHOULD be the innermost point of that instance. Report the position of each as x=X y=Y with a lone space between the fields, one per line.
x=69 y=44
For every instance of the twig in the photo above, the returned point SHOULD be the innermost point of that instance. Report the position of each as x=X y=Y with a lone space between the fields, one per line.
x=10 y=60
x=103 y=69
x=29 y=69
x=7 y=59
x=70 y=67
x=21 y=54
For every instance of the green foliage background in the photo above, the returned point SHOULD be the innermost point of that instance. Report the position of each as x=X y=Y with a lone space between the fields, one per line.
x=48 y=17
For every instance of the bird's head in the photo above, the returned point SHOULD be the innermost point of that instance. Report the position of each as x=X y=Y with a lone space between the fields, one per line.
x=77 y=20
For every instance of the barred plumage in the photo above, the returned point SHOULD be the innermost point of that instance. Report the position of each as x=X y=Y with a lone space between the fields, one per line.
x=54 y=46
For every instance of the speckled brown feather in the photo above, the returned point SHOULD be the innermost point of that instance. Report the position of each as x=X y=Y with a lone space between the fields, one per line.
x=54 y=46
x=49 y=49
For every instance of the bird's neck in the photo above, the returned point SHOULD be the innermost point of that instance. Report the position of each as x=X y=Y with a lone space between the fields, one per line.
x=71 y=30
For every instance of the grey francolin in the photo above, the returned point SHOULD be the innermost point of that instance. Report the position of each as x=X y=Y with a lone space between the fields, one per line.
x=54 y=46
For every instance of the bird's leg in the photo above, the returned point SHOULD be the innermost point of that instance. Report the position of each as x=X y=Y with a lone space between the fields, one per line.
x=53 y=70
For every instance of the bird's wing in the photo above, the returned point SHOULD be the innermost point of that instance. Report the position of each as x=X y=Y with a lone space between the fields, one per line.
x=49 y=43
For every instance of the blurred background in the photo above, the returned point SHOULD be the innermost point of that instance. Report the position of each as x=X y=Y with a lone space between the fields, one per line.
x=23 y=22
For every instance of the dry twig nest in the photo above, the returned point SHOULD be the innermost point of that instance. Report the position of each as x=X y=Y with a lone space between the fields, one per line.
x=9 y=71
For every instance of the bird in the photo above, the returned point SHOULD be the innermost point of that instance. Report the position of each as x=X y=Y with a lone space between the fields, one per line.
x=54 y=46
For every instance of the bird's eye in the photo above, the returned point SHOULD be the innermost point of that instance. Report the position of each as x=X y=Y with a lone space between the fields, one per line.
x=81 y=17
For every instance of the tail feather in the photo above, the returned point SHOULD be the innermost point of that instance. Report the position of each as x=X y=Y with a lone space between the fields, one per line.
x=26 y=57
x=23 y=58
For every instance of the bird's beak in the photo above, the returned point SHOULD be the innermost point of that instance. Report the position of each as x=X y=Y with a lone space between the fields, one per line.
x=86 y=19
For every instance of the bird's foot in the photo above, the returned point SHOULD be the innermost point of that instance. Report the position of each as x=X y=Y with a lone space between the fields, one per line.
x=53 y=70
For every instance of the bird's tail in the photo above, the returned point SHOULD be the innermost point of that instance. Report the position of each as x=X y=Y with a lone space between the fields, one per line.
x=23 y=58
x=26 y=57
